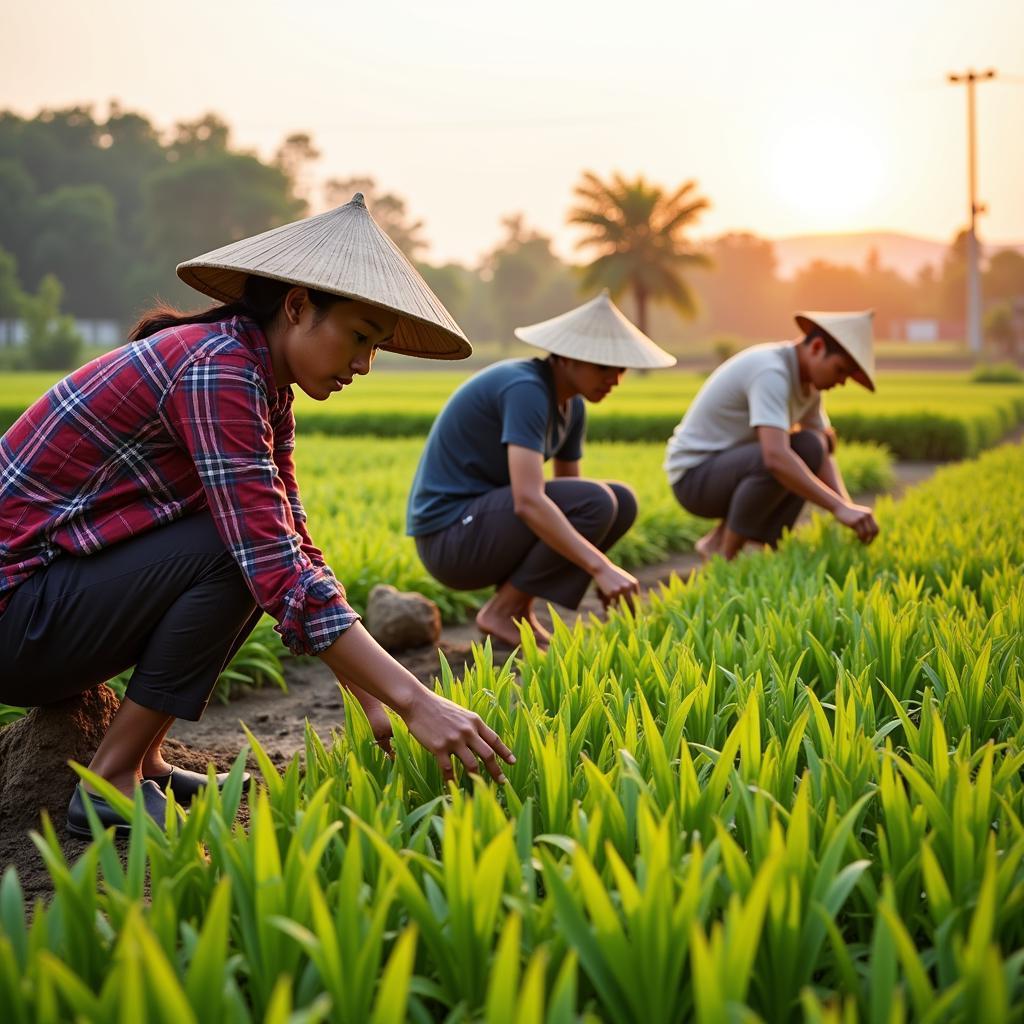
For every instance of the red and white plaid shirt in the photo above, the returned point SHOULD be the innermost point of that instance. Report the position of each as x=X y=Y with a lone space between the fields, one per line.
x=186 y=419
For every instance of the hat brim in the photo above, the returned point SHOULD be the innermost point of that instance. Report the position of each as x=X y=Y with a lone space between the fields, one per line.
x=807 y=325
x=414 y=336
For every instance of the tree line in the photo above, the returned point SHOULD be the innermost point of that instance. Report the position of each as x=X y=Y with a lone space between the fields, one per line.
x=95 y=211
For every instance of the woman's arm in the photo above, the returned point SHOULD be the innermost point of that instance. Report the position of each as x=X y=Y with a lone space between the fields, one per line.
x=219 y=412
x=443 y=727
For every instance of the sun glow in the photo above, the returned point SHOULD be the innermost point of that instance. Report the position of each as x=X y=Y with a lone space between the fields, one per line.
x=828 y=167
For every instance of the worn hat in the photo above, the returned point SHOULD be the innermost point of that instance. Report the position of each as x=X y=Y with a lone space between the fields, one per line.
x=852 y=332
x=597 y=332
x=342 y=252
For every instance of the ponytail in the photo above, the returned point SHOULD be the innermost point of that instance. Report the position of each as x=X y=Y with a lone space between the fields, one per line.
x=262 y=299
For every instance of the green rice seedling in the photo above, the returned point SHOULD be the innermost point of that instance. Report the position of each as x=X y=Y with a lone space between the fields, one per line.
x=790 y=788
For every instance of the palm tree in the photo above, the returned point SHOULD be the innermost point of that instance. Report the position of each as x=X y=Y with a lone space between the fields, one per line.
x=637 y=230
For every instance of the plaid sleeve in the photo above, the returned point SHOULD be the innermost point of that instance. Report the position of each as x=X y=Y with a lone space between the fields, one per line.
x=219 y=410
x=284 y=446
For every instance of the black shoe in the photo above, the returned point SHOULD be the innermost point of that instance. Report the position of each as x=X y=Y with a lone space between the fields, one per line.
x=78 y=823
x=185 y=784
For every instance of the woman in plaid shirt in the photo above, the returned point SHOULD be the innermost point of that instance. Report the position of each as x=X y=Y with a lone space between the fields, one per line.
x=149 y=512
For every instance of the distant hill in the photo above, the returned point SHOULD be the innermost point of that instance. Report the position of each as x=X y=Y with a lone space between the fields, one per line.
x=903 y=253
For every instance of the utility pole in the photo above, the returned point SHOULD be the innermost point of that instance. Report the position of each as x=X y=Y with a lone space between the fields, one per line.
x=968 y=78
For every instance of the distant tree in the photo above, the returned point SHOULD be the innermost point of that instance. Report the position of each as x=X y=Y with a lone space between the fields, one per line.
x=52 y=343
x=999 y=328
x=1004 y=277
x=171 y=198
x=17 y=205
x=199 y=204
x=741 y=292
x=202 y=137
x=11 y=294
x=449 y=283
x=952 y=284
x=824 y=285
x=295 y=156
x=638 y=231
x=388 y=211
x=75 y=239
x=528 y=282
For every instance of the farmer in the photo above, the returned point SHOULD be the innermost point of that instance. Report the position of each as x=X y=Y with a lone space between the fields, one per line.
x=480 y=508
x=756 y=443
x=149 y=512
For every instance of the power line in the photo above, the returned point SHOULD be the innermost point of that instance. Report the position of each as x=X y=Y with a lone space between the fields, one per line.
x=969 y=78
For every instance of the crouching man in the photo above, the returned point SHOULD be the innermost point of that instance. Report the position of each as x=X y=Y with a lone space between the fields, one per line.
x=756 y=443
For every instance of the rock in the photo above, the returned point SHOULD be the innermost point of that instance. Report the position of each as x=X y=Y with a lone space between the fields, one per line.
x=34 y=755
x=398 y=620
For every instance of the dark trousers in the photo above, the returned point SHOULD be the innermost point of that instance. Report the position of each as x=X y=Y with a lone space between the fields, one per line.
x=491 y=545
x=172 y=602
x=734 y=485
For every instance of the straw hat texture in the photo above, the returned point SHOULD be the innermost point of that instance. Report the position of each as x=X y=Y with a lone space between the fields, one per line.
x=597 y=332
x=342 y=252
x=852 y=331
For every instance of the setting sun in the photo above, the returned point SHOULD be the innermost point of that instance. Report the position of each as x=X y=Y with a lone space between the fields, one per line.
x=828 y=168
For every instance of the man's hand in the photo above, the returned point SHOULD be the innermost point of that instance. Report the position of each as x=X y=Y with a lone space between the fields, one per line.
x=860 y=519
x=614 y=584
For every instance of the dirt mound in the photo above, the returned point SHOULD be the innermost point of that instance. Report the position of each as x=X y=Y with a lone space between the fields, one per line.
x=34 y=775
x=35 y=750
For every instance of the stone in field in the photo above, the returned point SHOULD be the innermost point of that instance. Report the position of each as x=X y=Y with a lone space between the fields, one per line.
x=398 y=620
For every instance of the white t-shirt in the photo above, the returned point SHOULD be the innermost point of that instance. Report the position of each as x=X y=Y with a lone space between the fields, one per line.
x=759 y=387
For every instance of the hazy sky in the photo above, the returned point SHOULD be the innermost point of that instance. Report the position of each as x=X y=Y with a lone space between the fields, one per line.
x=794 y=116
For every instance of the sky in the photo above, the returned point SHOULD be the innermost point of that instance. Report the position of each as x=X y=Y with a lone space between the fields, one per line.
x=793 y=117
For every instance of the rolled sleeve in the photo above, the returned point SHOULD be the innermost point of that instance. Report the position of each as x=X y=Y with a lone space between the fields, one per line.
x=220 y=411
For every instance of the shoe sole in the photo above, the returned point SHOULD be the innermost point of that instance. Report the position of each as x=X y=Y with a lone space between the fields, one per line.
x=120 y=831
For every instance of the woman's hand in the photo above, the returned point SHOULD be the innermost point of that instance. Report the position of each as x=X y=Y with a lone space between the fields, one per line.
x=376 y=715
x=448 y=730
x=444 y=728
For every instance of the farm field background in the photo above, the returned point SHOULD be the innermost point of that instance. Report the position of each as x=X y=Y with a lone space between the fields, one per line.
x=918 y=415
x=788 y=790
x=357 y=517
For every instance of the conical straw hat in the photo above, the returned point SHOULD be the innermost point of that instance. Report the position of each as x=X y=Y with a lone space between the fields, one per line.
x=342 y=252
x=597 y=332
x=852 y=331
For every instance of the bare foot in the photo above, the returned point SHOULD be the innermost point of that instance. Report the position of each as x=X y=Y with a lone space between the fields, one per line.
x=542 y=636
x=711 y=543
x=505 y=628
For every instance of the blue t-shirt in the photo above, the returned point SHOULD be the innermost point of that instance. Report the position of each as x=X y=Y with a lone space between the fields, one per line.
x=512 y=402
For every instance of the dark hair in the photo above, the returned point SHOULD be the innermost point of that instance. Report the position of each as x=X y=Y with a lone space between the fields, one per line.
x=262 y=298
x=832 y=347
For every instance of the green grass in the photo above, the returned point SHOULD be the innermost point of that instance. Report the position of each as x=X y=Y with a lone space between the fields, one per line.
x=791 y=790
x=920 y=415
x=357 y=517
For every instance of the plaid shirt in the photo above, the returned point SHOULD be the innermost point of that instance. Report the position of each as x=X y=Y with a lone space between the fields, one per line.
x=186 y=419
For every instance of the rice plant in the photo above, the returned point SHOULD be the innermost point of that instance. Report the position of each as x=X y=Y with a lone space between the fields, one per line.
x=788 y=790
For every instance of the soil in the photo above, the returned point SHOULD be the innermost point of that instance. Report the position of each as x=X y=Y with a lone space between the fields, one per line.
x=38 y=777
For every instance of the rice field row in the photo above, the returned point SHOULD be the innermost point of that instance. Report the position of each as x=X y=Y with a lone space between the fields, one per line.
x=916 y=415
x=790 y=790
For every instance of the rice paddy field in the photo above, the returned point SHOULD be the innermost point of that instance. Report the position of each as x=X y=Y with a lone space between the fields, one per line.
x=918 y=415
x=790 y=789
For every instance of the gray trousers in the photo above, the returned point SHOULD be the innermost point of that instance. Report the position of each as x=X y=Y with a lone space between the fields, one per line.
x=491 y=545
x=734 y=485
x=172 y=602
